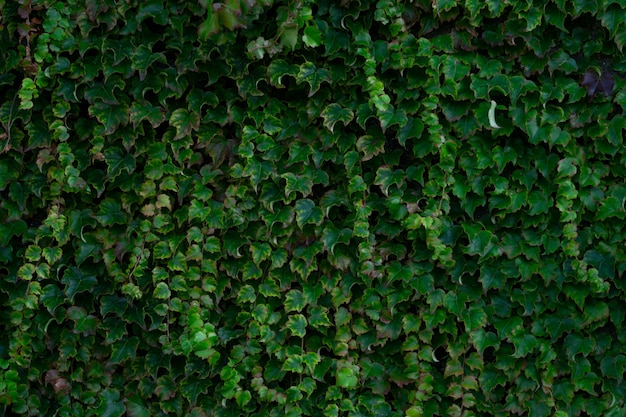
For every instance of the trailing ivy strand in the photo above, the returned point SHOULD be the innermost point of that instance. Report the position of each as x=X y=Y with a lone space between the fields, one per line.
x=299 y=208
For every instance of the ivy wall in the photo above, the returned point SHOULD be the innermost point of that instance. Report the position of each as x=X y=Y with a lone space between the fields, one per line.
x=306 y=208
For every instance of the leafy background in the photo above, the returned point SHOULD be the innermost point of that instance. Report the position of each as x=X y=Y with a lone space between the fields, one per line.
x=286 y=208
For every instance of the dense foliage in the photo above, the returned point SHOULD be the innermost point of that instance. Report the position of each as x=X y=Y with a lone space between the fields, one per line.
x=286 y=208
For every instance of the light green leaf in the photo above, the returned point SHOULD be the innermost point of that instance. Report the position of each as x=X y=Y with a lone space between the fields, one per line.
x=312 y=36
x=347 y=375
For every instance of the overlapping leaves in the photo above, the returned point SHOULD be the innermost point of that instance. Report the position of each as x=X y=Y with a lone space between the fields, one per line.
x=374 y=208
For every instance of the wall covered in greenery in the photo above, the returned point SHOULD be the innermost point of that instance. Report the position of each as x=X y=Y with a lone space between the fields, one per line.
x=306 y=208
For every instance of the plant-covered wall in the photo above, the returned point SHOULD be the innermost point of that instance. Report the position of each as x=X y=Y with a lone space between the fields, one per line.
x=306 y=208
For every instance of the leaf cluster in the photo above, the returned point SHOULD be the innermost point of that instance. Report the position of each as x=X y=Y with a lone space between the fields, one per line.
x=312 y=208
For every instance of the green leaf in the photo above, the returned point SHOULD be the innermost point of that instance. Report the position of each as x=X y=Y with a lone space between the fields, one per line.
x=386 y=177
x=613 y=366
x=278 y=69
x=390 y=117
x=295 y=301
x=260 y=251
x=110 y=404
x=110 y=213
x=308 y=213
x=313 y=76
x=139 y=112
x=162 y=291
x=124 y=349
x=117 y=161
x=136 y=407
x=105 y=92
x=576 y=344
x=312 y=36
x=332 y=236
x=83 y=323
x=370 y=146
x=110 y=115
x=297 y=183
x=185 y=122
x=297 y=325
x=610 y=207
x=11 y=229
x=77 y=282
x=246 y=294
x=8 y=173
x=347 y=375
x=334 y=113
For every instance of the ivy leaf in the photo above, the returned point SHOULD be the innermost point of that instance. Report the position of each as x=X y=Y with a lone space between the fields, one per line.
x=347 y=375
x=297 y=325
x=143 y=57
x=610 y=207
x=313 y=76
x=117 y=161
x=105 y=92
x=110 y=115
x=332 y=236
x=308 y=213
x=184 y=122
x=146 y=111
x=370 y=146
x=11 y=229
x=297 y=183
x=260 y=252
x=334 y=113
x=312 y=36
x=386 y=177
x=83 y=323
x=390 y=117
x=295 y=301
x=110 y=404
x=613 y=366
x=124 y=349
x=110 y=213
x=76 y=282
x=278 y=69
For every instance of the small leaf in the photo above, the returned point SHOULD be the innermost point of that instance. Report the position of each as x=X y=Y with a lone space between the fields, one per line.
x=492 y=115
